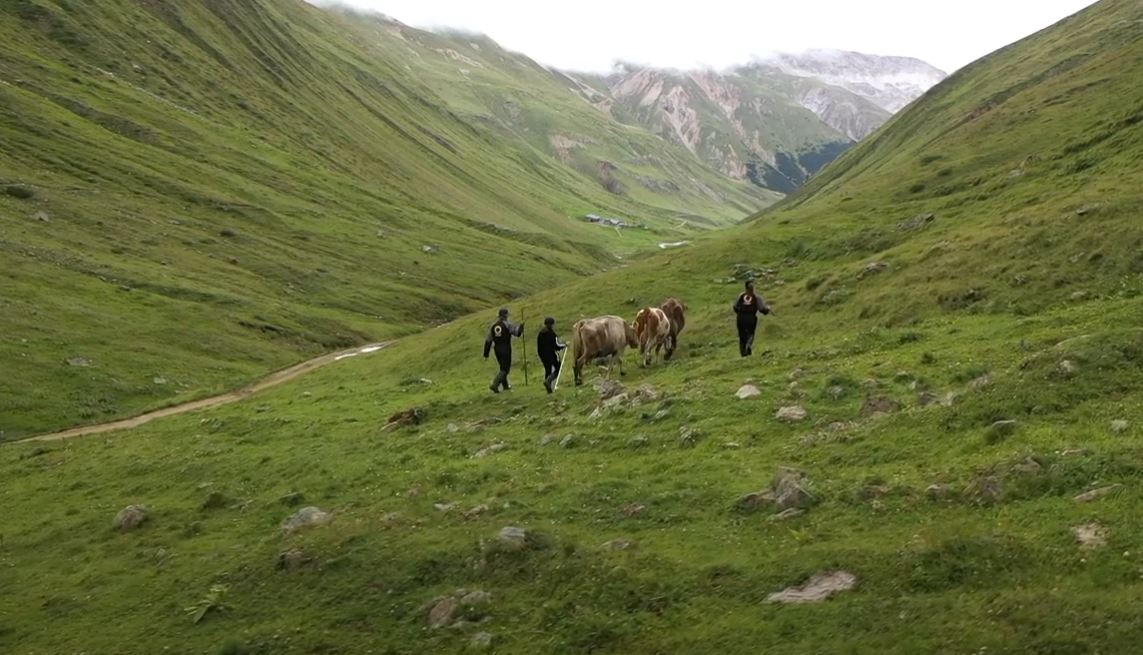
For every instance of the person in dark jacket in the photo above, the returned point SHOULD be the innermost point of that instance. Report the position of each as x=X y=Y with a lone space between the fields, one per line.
x=499 y=338
x=747 y=308
x=548 y=347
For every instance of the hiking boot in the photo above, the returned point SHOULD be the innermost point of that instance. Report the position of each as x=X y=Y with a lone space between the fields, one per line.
x=494 y=388
x=548 y=384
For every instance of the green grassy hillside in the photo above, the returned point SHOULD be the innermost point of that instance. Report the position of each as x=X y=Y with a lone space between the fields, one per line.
x=968 y=380
x=197 y=193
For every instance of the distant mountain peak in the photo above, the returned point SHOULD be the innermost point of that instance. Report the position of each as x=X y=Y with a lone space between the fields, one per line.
x=890 y=82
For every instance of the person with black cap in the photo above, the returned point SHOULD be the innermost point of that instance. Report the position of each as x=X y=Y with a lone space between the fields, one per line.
x=499 y=338
x=548 y=347
x=747 y=308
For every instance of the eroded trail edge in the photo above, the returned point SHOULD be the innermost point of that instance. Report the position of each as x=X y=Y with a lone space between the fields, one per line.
x=272 y=380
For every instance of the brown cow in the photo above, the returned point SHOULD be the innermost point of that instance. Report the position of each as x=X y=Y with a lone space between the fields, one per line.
x=674 y=309
x=652 y=330
x=605 y=336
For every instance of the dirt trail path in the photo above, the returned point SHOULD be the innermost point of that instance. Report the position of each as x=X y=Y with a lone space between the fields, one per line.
x=272 y=380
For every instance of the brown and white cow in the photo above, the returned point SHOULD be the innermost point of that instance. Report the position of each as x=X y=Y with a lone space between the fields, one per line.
x=675 y=311
x=652 y=331
x=604 y=336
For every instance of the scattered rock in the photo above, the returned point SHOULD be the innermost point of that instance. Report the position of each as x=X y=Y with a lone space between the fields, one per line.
x=618 y=544
x=1075 y=452
x=490 y=449
x=568 y=441
x=872 y=268
x=747 y=391
x=793 y=414
x=789 y=492
x=1085 y=210
x=916 y=223
x=305 y=517
x=1028 y=466
x=443 y=612
x=1080 y=296
x=475 y=598
x=42 y=217
x=786 y=492
x=412 y=416
x=294 y=560
x=547 y=440
x=475 y=512
x=1120 y=426
x=836 y=392
x=430 y=250
x=159 y=380
x=1096 y=494
x=981 y=382
x=639 y=442
x=688 y=436
x=130 y=517
x=1000 y=430
x=632 y=510
x=938 y=492
x=1067 y=368
x=875 y=405
x=1090 y=536
x=445 y=507
x=481 y=641
x=644 y=394
x=818 y=588
x=513 y=538
x=731 y=445
x=927 y=398
x=82 y=362
x=607 y=388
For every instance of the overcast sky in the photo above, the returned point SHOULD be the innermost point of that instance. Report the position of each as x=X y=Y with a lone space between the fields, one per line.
x=593 y=34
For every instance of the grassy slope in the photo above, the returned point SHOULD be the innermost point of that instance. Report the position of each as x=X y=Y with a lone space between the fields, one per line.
x=523 y=101
x=960 y=575
x=230 y=186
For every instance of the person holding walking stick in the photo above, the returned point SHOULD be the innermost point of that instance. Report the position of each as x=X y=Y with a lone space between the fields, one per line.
x=548 y=347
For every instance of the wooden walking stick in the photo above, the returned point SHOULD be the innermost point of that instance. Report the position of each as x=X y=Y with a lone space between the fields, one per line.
x=525 y=347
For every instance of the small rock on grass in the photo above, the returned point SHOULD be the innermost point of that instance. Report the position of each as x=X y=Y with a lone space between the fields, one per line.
x=747 y=391
x=1119 y=427
x=618 y=544
x=305 y=517
x=481 y=641
x=1096 y=494
x=793 y=414
x=818 y=588
x=1090 y=536
x=130 y=517
x=513 y=538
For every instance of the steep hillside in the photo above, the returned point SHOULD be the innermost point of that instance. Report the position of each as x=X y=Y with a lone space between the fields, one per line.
x=957 y=304
x=520 y=101
x=772 y=122
x=196 y=193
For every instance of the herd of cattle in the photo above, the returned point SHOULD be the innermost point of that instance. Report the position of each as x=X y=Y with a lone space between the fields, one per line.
x=655 y=330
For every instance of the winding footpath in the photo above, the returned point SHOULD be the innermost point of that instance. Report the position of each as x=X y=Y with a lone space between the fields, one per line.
x=272 y=380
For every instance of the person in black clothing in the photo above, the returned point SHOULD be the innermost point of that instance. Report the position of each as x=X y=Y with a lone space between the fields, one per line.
x=548 y=347
x=747 y=308
x=499 y=338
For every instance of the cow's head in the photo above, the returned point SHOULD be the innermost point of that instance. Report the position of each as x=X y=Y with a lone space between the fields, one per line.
x=632 y=338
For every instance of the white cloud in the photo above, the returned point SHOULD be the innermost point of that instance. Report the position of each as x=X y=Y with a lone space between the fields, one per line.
x=592 y=34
